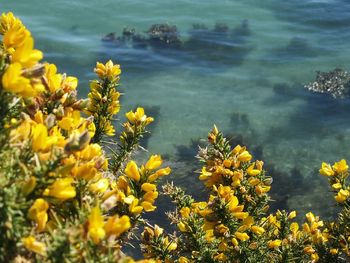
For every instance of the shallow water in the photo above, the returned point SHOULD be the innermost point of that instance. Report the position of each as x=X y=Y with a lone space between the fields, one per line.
x=249 y=83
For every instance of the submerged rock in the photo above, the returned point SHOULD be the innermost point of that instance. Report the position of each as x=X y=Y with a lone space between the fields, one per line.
x=219 y=44
x=164 y=35
x=336 y=83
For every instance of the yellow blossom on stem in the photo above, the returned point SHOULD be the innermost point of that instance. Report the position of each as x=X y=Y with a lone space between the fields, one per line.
x=31 y=244
x=26 y=55
x=342 y=195
x=159 y=173
x=326 y=170
x=138 y=116
x=154 y=162
x=100 y=186
x=96 y=229
x=14 y=37
x=132 y=171
x=292 y=215
x=116 y=225
x=272 y=244
x=13 y=81
x=69 y=83
x=7 y=21
x=258 y=230
x=244 y=156
x=38 y=212
x=148 y=206
x=108 y=70
x=148 y=187
x=61 y=189
x=29 y=185
x=41 y=141
x=242 y=236
x=185 y=212
x=341 y=167
x=53 y=79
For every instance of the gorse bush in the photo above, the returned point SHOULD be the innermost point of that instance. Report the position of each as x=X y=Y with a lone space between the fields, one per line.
x=70 y=191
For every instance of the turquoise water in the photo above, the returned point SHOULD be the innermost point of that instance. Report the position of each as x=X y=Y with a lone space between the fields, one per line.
x=249 y=85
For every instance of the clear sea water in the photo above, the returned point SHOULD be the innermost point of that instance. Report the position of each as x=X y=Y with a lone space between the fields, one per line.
x=250 y=85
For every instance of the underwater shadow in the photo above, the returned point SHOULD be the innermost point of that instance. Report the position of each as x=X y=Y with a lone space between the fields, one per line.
x=298 y=49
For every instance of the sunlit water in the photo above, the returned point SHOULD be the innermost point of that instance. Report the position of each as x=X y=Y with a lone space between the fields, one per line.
x=250 y=84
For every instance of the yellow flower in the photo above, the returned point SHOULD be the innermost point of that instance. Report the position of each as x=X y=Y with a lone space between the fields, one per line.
x=29 y=185
x=242 y=236
x=333 y=251
x=262 y=189
x=183 y=260
x=341 y=166
x=41 y=141
x=294 y=227
x=13 y=81
x=154 y=162
x=342 y=195
x=326 y=170
x=39 y=137
x=26 y=55
x=150 y=196
x=109 y=70
x=292 y=215
x=234 y=242
x=14 y=37
x=258 y=230
x=61 y=189
x=159 y=173
x=147 y=206
x=91 y=151
x=138 y=116
x=253 y=172
x=52 y=78
x=185 y=212
x=96 y=229
x=100 y=186
x=87 y=171
x=31 y=244
x=69 y=83
x=70 y=121
x=182 y=226
x=310 y=217
x=8 y=21
x=245 y=156
x=38 y=212
x=309 y=250
x=117 y=225
x=336 y=186
x=133 y=203
x=158 y=230
x=132 y=171
x=274 y=243
x=147 y=187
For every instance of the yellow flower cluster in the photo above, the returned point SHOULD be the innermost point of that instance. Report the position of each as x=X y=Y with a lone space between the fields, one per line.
x=136 y=191
x=337 y=178
x=62 y=190
x=233 y=224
